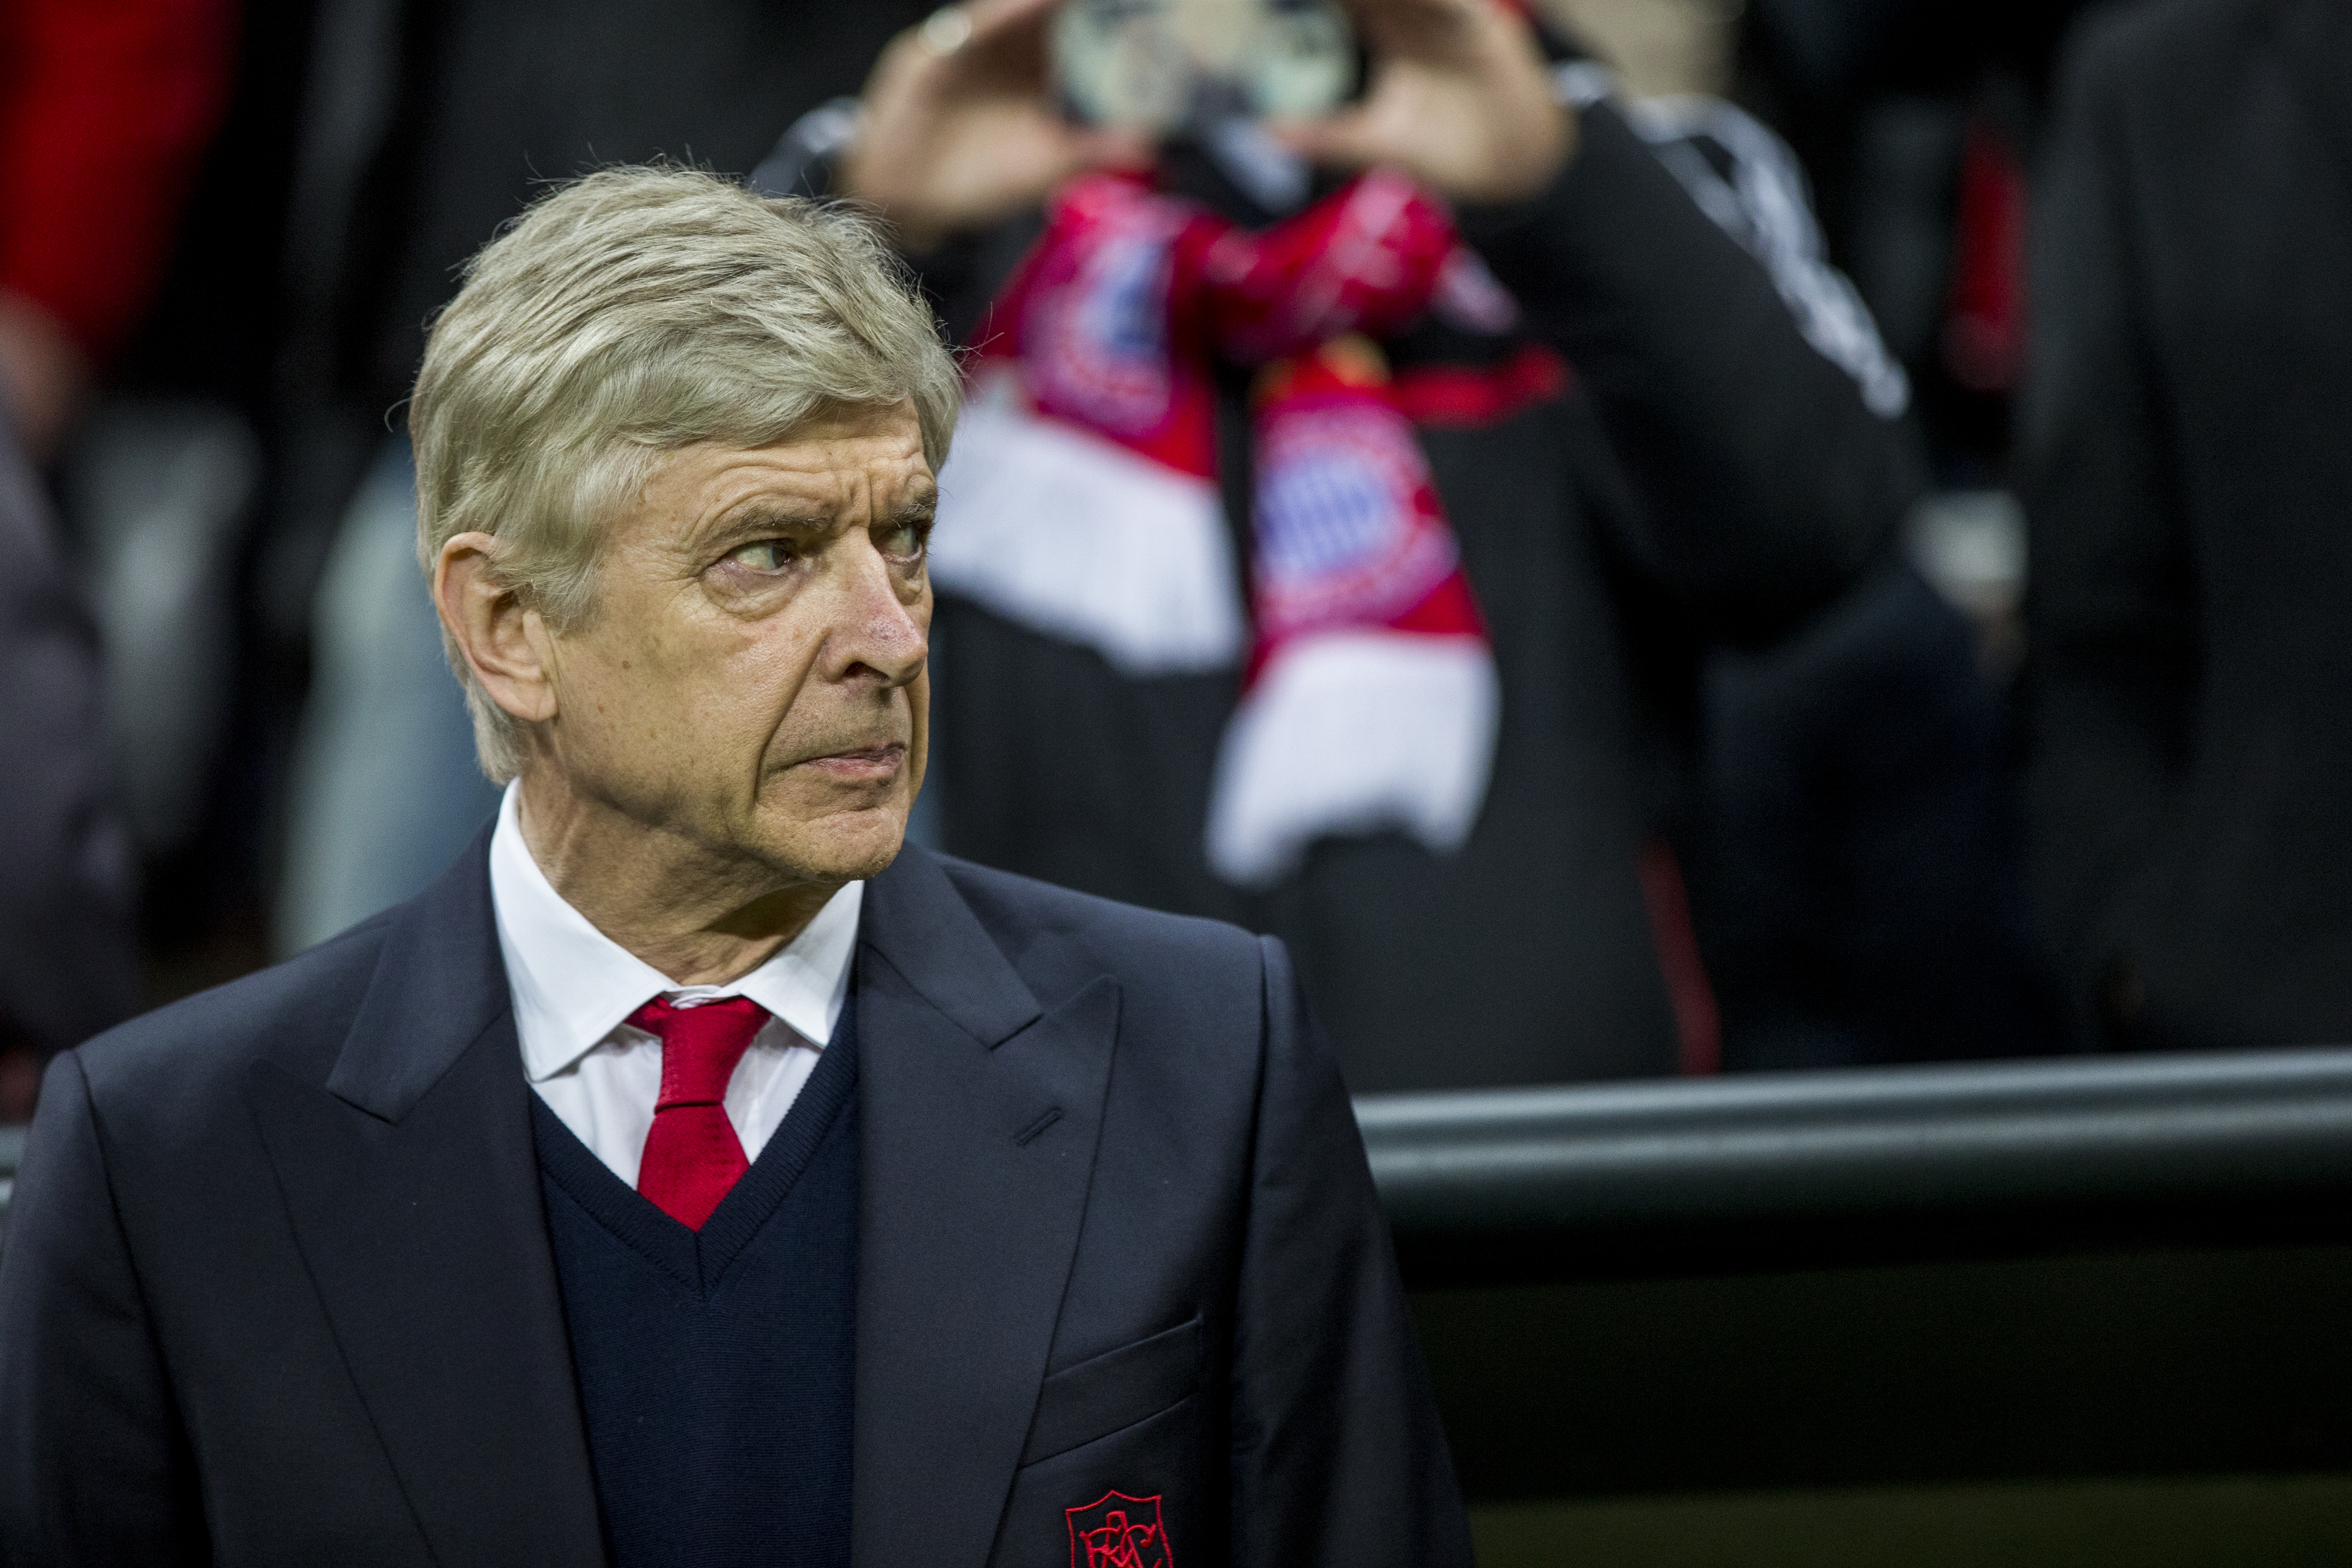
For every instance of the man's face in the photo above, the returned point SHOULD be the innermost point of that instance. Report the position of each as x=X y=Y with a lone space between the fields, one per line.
x=751 y=678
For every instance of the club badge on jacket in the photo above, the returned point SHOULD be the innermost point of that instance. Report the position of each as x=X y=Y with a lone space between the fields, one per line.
x=1116 y=1531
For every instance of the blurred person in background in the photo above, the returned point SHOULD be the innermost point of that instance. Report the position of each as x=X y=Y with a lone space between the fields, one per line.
x=1595 y=406
x=104 y=109
x=68 y=963
x=1853 y=849
x=2188 y=437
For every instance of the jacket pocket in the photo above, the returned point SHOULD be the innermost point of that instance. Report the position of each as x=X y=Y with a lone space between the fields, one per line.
x=1115 y=1389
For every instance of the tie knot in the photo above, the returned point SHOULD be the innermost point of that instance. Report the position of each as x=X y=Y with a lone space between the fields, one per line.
x=700 y=1045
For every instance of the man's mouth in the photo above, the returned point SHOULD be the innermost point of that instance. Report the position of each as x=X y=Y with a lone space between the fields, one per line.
x=863 y=764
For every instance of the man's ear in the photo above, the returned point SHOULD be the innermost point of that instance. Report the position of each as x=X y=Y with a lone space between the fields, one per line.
x=503 y=640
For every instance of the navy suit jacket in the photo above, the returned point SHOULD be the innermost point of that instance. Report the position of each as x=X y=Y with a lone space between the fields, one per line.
x=277 y=1287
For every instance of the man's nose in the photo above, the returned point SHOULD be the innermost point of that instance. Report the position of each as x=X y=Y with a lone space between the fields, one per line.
x=875 y=631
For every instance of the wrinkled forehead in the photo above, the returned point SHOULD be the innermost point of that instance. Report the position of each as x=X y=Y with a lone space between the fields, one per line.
x=849 y=466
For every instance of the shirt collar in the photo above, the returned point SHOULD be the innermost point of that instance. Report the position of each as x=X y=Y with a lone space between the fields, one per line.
x=573 y=985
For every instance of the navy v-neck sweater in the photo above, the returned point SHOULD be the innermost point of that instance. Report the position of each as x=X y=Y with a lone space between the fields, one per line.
x=716 y=1367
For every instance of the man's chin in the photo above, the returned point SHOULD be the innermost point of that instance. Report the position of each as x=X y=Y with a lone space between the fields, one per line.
x=843 y=845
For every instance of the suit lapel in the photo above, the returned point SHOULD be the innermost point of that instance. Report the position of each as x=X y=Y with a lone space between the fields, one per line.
x=414 y=1191
x=978 y=1115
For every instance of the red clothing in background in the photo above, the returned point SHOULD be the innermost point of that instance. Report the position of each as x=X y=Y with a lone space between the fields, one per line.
x=105 y=106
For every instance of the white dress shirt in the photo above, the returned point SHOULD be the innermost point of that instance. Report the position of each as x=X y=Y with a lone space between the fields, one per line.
x=573 y=986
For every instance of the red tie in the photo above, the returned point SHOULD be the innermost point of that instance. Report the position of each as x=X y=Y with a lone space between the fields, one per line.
x=692 y=1155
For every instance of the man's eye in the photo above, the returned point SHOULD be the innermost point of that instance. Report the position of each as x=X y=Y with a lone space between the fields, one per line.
x=768 y=556
x=904 y=543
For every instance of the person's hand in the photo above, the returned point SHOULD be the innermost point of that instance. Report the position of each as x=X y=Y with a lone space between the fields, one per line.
x=959 y=127
x=1459 y=98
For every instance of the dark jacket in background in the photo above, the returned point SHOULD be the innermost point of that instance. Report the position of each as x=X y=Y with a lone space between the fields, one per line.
x=2189 y=442
x=69 y=955
x=1710 y=475
x=1862 y=896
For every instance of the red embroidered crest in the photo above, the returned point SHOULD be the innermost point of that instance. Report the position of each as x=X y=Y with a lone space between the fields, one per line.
x=1116 y=1531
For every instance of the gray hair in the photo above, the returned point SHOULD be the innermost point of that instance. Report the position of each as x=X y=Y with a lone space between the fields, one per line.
x=628 y=314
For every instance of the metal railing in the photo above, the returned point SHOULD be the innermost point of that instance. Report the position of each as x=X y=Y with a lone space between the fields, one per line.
x=1865 y=1165
x=1571 y=1181
x=2005 y=1272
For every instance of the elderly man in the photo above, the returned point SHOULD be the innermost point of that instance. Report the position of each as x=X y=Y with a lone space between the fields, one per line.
x=694 y=1174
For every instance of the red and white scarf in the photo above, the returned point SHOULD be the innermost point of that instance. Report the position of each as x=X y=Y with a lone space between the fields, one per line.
x=1081 y=497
